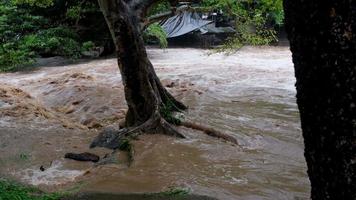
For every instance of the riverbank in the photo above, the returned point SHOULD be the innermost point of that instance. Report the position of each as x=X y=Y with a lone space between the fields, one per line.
x=10 y=190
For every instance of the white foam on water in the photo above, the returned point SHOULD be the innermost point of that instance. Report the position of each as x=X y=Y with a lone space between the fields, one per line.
x=6 y=122
x=54 y=175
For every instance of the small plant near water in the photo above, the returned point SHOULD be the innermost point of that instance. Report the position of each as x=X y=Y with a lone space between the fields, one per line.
x=13 y=191
x=126 y=145
x=24 y=156
x=155 y=31
x=176 y=191
x=167 y=114
x=87 y=46
x=171 y=193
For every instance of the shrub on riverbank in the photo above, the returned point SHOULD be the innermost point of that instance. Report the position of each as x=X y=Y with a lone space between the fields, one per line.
x=14 y=191
x=25 y=35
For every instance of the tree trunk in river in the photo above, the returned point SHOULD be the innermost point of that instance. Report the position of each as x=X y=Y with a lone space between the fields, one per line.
x=323 y=43
x=150 y=105
x=145 y=95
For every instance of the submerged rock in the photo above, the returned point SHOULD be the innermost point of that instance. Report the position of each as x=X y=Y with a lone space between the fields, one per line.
x=82 y=156
x=109 y=138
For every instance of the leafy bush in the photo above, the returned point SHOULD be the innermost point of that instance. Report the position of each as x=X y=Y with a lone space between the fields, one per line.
x=78 y=9
x=74 y=12
x=11 y=59
x=160 y=7
x=23 y=36
x=155 y=31
x=14 y=24
x=255 y=20
x=53 y=41
x=22 y=51
x=38 y=3
x=86 y=46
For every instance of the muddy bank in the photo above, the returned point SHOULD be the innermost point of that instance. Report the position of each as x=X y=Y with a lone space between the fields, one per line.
x=50 y=111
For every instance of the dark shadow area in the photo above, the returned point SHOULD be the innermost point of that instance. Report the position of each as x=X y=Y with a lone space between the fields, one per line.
x=105 y=196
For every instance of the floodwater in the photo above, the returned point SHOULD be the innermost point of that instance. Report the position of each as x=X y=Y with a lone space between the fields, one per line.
x=59 y=108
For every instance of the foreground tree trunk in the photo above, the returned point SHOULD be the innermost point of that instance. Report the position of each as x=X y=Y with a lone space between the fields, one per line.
x=323 y=43
x=145 y=95
x=150 y=105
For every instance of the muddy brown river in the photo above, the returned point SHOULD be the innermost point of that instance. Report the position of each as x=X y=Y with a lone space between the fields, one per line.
x=48 y=111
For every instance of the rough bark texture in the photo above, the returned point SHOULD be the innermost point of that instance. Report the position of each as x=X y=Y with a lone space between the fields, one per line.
x=144 y=93
x=150 y=105
x=323 y=43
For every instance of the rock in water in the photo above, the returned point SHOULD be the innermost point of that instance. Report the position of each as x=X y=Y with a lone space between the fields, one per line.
x=109 y=138
x=82 y=156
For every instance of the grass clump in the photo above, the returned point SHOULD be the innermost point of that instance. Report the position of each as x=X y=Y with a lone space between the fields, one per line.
x=13 y=191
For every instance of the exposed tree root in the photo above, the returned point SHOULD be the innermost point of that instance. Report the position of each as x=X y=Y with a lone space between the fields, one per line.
x=119 y=139
x=115 y=139
x=150 y=105
x=209 y=131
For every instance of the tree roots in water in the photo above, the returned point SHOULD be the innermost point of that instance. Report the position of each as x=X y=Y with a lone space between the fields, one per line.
x=120 y=139
x=210 y=131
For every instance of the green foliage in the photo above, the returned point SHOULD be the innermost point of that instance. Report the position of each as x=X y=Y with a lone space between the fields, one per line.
x=11 y=59
x=255 y=20
x=23 y=36
x=86 y=46
x=14 y=24
x=74 y=12
x=13 y=191
x=155 y=31
x=38 y=3
x=24 y=156
x=273 y=9
x=126 y=145
x=79 y=8
x=269 y=10
x=166 y=110
x=53 y=41
x=160 y=7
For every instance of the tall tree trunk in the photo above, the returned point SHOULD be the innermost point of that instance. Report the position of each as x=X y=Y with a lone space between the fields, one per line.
x=145 y=95
x=323 y=43
x=150 y=105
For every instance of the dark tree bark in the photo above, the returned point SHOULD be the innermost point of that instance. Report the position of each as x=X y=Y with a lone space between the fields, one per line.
x=323 y=43
x=150 y=105
x=145 y=95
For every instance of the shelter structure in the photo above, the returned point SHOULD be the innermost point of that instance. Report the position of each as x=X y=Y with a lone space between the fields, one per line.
x=189 y=28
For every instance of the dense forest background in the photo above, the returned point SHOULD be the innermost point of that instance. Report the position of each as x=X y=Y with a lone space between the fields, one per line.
x=30 y=29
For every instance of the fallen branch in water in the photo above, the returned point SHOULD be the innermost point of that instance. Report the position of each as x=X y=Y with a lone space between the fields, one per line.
x=209 y=131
